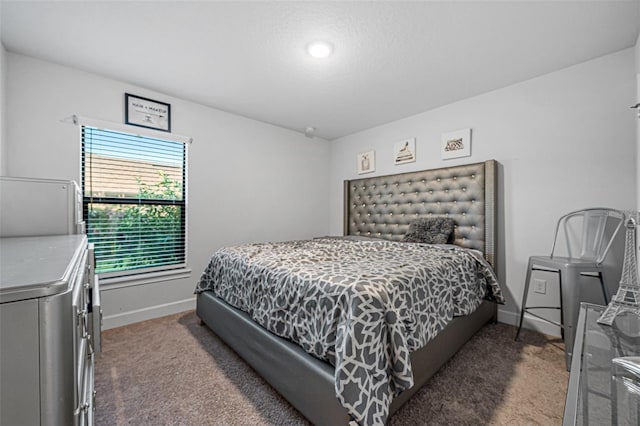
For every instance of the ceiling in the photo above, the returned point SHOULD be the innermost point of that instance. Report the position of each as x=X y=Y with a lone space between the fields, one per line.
x=391 y=60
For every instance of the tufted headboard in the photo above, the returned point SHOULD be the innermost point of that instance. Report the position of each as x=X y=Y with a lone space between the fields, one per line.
x=383 y=206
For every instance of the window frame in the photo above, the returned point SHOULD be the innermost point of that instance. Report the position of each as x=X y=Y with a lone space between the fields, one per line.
x=171 y=269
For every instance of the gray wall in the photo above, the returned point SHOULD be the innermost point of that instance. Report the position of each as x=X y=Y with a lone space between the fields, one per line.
x=248 y=181
x=565 y=141
x=637 y=100
x=638 y=54
x=3 y=85
x=3 y=110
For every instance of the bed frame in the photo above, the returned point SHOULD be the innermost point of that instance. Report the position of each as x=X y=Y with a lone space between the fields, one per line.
x=381 y=207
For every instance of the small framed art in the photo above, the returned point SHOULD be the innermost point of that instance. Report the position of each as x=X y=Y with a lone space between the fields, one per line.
x=366 y=162
x=143 y=112
x=404 y=151
x=456 y=144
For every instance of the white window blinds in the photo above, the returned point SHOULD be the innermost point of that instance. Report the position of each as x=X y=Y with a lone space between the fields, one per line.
x=134 y=200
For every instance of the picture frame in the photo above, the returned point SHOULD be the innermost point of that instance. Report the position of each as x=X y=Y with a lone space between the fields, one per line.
x=145 y=112
x=366 y=162
x=404 y=151
x=456 y=144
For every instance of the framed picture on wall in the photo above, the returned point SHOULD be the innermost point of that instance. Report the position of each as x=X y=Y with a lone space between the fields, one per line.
x=456 y=144
x=366 y=162
x=143 y=112
x=404 y=151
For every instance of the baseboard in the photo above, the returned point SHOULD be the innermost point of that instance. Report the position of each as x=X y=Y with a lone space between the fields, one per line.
x=530 y=322
x=130 y=317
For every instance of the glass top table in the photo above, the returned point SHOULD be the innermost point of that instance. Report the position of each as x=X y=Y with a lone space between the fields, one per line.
x=600 y=391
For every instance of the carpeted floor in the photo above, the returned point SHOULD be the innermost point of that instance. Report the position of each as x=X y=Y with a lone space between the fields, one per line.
x=172 y=371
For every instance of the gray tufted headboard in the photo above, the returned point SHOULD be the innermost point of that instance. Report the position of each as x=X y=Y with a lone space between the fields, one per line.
x=383 y=206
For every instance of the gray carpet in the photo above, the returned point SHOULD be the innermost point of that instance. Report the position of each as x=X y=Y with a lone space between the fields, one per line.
x=172 y=371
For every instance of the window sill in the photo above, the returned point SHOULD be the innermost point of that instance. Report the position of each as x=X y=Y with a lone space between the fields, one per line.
x=144 y=278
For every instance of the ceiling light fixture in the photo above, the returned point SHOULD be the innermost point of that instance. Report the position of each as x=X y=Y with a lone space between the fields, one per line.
x=319 y=49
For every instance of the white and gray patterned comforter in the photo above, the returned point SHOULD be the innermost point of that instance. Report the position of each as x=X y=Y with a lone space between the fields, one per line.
x=364 y=306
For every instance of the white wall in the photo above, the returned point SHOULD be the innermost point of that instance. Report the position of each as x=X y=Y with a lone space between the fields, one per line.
x=248 y=181
x=565 y=141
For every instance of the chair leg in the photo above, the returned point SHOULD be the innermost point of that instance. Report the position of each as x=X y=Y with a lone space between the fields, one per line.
x=605 y=290
x=524 y=298
x=561 y=306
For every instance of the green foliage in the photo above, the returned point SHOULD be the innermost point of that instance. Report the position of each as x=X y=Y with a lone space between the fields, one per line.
x=132 y=236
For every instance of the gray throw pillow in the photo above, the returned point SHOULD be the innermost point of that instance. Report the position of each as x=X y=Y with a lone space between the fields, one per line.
x=430 y=230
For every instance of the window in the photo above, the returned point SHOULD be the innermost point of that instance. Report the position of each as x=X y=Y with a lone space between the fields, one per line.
x=134 y=201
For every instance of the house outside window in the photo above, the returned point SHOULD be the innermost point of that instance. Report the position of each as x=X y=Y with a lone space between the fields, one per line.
x=134 y=201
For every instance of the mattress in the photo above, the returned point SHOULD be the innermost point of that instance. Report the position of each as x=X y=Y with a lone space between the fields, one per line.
x=363 y=306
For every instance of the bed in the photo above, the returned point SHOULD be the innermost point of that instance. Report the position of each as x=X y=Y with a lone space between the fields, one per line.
x=336 y=378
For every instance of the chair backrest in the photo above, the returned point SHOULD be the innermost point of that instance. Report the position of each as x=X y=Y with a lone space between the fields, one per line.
x=594 y=232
